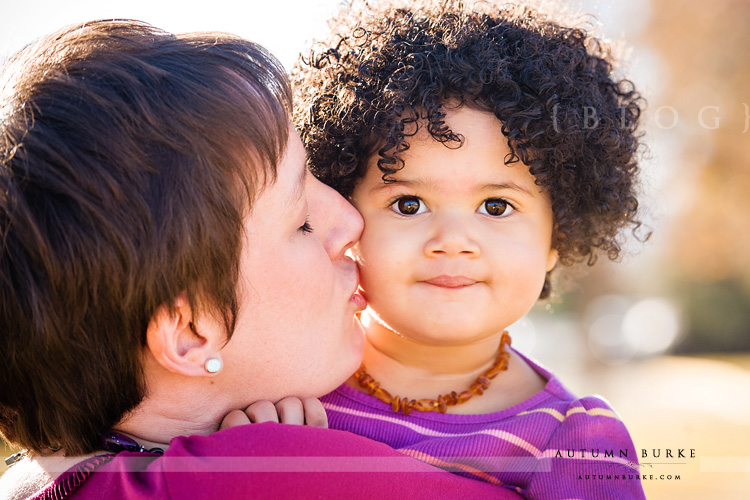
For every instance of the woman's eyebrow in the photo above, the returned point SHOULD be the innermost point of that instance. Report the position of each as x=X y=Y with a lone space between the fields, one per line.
x=299 y=188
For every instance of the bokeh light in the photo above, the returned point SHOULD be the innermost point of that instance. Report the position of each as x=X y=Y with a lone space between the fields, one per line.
x=652 y=326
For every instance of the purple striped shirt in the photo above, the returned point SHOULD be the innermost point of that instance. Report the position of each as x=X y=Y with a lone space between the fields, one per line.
x=550 y=446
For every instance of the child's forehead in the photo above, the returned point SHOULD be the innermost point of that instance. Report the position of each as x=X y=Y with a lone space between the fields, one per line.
x=451 y=112
x=475 y=162
x=461 y=134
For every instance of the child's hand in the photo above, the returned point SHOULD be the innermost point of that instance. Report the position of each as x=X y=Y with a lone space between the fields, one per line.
x=295 y=411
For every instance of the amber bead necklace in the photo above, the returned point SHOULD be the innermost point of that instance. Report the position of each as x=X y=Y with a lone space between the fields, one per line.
x=442 y=403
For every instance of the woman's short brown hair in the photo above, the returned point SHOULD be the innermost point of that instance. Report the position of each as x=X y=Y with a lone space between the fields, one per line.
x=128 y=158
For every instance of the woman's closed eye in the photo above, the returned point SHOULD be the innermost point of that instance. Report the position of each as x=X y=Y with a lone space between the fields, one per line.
x=496 y=207
x=408 y=205
x=306 y=227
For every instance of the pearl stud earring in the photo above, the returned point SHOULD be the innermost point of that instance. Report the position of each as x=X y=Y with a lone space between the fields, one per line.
x=213 y=365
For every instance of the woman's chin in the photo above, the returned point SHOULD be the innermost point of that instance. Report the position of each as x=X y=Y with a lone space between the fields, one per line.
x=350 y=361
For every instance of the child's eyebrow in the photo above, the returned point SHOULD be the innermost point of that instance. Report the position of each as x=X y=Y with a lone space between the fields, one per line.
x=509 y=185
x=385 y=186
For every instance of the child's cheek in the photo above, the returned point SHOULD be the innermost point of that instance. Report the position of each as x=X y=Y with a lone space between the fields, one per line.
x=354 y=253
x=363 y=256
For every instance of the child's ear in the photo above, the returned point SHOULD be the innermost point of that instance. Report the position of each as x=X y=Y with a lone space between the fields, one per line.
x=177 y=343
x=552 y=259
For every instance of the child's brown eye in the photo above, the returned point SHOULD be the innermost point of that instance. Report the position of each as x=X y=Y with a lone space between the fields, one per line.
x=408 y=205
x=496 y=207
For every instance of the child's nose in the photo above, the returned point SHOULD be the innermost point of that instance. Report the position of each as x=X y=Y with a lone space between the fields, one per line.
x=451 y=238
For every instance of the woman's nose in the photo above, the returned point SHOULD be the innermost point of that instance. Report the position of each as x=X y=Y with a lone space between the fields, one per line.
x=335 y=220
x=451 y=237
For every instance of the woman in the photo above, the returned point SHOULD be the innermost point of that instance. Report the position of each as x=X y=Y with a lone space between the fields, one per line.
x=166 y=259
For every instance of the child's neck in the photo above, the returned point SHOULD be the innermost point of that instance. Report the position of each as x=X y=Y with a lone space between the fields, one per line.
x=418 y=370
x=421 y=370
x=430 y=360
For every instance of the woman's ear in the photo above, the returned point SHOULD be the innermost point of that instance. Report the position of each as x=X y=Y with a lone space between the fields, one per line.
x=178 y=344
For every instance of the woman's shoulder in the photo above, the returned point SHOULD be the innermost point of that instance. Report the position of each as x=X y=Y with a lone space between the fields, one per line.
x=280 y=461
x=274 y=461
x=23 y=480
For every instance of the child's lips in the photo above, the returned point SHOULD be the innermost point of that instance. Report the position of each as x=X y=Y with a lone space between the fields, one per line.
x=445 y=281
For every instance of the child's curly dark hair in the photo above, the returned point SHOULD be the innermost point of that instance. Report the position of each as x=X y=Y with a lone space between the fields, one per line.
x=389 y=70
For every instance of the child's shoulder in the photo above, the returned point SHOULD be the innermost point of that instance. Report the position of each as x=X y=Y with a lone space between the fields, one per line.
x=559 y=396
x=574 y=413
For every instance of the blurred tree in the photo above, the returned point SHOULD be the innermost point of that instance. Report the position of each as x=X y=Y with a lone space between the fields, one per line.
x=704 y=48
x=694 y=59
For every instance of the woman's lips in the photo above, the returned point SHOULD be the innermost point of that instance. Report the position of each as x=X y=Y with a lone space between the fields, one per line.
x=359 y=301
x=445 y=281
x=357 y=298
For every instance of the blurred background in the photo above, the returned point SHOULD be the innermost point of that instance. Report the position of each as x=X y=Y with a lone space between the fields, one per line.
x=664 y=335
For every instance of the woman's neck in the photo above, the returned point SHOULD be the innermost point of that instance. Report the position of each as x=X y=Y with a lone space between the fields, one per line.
x=163 y=415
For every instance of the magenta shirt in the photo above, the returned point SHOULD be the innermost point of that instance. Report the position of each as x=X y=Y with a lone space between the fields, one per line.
x=553 y=445
x=266 y=461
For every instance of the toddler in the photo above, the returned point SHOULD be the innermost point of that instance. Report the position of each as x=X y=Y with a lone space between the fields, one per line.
x=484 y=147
